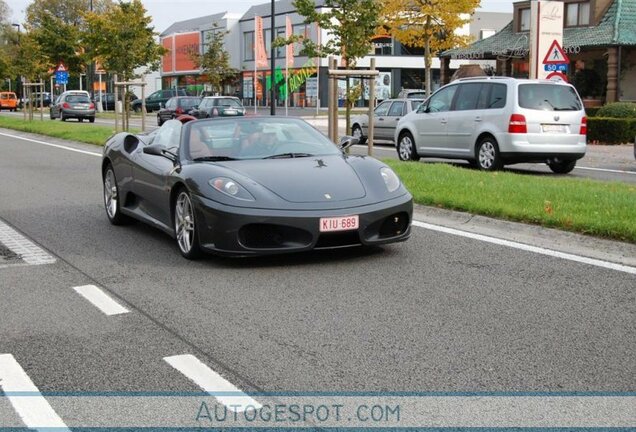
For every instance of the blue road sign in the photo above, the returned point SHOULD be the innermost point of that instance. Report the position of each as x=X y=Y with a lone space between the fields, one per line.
x=556 y=67
x=61 y=77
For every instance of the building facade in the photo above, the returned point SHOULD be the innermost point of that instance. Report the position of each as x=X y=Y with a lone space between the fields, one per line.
x=400 y=66
x=599 y=38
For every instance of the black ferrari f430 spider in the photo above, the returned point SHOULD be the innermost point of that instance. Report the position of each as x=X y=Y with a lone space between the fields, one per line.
x=247 y=186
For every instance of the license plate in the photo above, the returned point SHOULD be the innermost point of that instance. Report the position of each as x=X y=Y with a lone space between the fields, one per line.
x=80 y=107
x=344 y=223
x=552 y=128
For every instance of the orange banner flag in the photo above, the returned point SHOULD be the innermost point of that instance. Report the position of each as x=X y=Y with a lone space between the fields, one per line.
x=259 y=43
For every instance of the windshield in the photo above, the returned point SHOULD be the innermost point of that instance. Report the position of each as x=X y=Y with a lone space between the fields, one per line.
x=549 y=97
x=256 y=138
x=190 y=102
x=230 y=102
x=77 y=99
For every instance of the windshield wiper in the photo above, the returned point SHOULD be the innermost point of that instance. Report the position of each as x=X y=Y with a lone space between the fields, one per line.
x=288 y=155
x=213 y=159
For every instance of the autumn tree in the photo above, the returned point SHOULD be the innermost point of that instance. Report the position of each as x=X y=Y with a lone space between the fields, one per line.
x=4 y=13
x=428 y=24
x=350 y=25
x=7 y=40
x=215 y=60
x=122 y=40
x=58 y=26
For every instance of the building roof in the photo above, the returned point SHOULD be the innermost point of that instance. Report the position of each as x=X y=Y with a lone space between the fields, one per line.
x=282 y=7
x=194 y=24
x=617 y=27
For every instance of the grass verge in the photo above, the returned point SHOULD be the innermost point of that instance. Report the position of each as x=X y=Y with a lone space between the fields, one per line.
x=74 y=131
x=605 y=209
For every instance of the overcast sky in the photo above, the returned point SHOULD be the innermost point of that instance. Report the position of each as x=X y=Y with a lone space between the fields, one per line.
x=166 y=12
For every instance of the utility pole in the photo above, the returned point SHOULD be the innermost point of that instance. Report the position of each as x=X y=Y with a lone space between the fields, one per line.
x=272 y=36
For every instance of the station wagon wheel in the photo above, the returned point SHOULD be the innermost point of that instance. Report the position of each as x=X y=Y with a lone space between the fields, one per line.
x=406 y=147
x=356 y=131
x=185 y=226
x=488 y=157
x=111 y=198
x=561 y=167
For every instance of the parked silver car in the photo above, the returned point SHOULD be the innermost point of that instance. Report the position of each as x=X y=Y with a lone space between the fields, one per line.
x=386 y=117
x=73 y=104
x=494 y=121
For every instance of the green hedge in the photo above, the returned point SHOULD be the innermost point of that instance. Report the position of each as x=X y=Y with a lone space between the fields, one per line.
x=618 y=110
x=611 y=130
x=591 y=112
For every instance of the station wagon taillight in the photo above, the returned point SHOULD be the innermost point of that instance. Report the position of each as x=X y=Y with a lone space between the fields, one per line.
x=92 y=106
x=517 y=124
x=583 y=130
x=65 y=105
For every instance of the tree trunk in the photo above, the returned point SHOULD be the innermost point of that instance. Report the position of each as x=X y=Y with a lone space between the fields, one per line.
x=427 y=58
x=347 y=108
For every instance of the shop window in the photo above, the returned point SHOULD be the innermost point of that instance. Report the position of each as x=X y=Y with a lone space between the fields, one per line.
x=524 y=19
x=577 y=14
x=280 y=51
x=248 y=46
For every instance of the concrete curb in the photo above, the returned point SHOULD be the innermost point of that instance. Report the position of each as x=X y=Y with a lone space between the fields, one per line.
x=533 y=235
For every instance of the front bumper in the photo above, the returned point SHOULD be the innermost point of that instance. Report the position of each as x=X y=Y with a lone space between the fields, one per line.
x=243 y=231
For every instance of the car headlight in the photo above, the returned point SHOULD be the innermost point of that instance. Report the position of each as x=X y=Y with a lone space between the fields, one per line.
x=391 y=180
x=231 y=187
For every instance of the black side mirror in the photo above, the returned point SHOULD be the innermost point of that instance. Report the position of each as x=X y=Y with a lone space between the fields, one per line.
x=347 y=141
x=159 y=150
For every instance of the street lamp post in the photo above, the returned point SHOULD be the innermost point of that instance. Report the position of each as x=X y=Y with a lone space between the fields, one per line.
x=272 y=26
x=20 y=78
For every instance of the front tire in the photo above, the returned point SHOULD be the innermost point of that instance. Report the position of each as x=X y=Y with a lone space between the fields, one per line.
x=159 y=122
x=185 y=227
x=406 y=147
x=356 y=131
x=561 y=167
x=111 y=198
x=488 y=156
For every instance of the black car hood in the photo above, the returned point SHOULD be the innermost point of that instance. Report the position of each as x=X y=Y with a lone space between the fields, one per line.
x=304 y=180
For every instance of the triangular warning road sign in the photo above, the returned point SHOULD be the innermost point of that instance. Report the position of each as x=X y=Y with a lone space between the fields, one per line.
x=61 y=68
x=555 y=54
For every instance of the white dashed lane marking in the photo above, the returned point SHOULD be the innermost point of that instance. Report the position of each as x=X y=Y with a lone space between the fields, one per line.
x=28 y=251
x=26 y=399
x=101 y=300
x=213 y=383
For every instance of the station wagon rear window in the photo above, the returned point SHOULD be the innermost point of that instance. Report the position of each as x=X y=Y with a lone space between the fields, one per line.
x=549 y=97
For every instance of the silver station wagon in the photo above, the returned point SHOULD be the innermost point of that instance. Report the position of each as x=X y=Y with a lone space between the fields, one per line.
x=385 y=119
x=495 y=121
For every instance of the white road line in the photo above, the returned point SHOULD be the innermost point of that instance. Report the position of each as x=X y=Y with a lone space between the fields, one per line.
x=212 y=382
x=528 y=248
x=33 y=409
x=52 y=145
x=100 y=300
x=606 y=170
x=20 y=245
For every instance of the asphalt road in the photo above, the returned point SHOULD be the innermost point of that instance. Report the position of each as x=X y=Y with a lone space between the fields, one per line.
x=437 y=313
x=601 y=162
